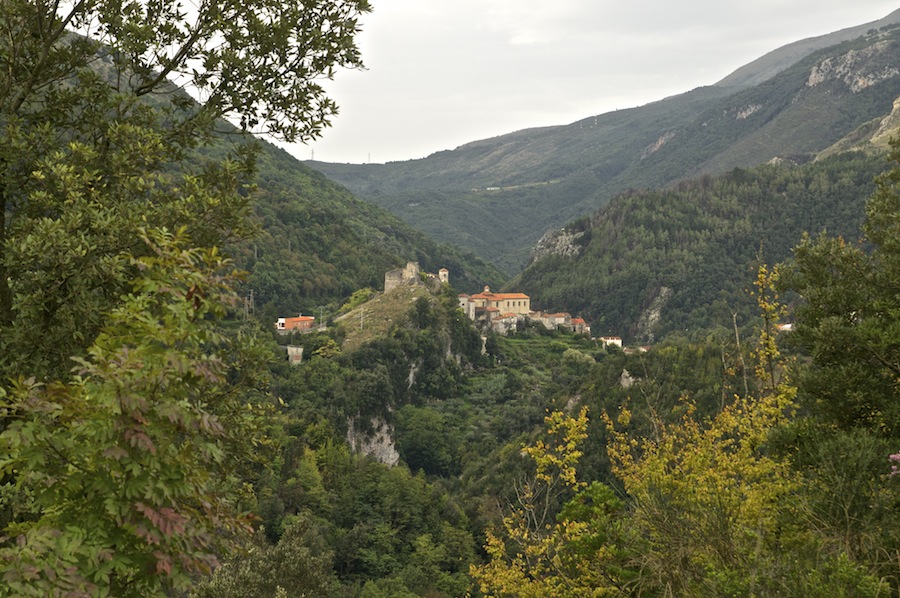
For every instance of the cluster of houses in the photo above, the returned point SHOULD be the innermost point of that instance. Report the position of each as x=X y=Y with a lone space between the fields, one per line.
x=503 y=312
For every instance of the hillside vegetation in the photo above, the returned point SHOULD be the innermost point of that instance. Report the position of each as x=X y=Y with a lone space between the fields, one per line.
x=688 y=250
x=315 y=243
x=549 y=465
x=514 y=187
x=155 y=440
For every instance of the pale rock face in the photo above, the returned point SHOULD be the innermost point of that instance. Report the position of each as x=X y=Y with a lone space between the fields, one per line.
x=748 y=111
x=556 y=242
x=380 y=445
x=411 y=379
x=853 y=69
x=657 y=145
x=650 y=318
x=888 y=126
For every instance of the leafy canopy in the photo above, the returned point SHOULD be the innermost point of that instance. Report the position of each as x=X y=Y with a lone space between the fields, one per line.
x=94 y=137
x=124 y=475
x=128 y=473
x=849 y=319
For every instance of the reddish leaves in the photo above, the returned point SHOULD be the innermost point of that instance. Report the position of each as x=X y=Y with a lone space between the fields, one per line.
x=166 y=520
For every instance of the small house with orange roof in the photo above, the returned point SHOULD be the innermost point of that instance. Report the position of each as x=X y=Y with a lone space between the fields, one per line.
x=298 y=324
x=579 y=326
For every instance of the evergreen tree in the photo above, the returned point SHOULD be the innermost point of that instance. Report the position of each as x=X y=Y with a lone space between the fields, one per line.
x=849 y=319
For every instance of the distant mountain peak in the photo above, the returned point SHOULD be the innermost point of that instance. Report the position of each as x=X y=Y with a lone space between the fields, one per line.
x=497 y=197
x=774 y=62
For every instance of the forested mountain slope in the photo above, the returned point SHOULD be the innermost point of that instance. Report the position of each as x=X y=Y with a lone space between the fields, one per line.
x=316 y=243
x=687 y=252
x=498 y=196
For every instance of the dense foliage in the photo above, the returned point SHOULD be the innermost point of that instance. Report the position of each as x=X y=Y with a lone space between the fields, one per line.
x=710 y=465
x=128 y=419
x=128 y=476
x=755 y=499
x=155 y=441
x=688 y=251
x=848 y=319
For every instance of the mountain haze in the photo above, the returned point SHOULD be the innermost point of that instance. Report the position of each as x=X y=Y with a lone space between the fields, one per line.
x=498 y=196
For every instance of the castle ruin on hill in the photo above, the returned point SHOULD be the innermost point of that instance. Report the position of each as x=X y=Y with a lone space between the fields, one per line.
x=410 y=275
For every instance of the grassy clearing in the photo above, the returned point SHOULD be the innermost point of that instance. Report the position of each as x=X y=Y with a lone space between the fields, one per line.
x=375 y=318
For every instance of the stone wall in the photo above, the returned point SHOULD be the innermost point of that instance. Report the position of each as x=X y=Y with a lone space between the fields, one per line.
x=408 y=275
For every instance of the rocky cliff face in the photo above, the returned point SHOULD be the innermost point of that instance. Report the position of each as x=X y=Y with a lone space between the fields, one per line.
x=657 y=145
x=379 y=444
x=872 y=136
x=888 y=126
x=652 y=315
x=774 y=62
x=560 y=242
x=857 y=69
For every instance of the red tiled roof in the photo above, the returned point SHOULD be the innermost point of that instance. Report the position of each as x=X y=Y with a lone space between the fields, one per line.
x=500 y=296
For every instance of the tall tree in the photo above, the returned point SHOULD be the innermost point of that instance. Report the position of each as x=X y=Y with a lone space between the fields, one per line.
x=94 y=133
x=120 y=475
x=544 y=548
x=849 y=319
x=125 y=480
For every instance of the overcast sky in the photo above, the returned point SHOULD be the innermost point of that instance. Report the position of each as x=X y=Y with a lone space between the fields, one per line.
x=443 y=73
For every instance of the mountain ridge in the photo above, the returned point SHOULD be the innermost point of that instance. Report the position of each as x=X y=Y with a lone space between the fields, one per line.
x=772 y=63
x=498 y=196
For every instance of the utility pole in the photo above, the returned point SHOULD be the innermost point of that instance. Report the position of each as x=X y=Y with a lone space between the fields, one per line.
x=249 y=305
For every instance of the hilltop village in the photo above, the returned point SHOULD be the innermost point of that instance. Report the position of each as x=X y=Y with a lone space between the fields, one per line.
x=504 y=313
